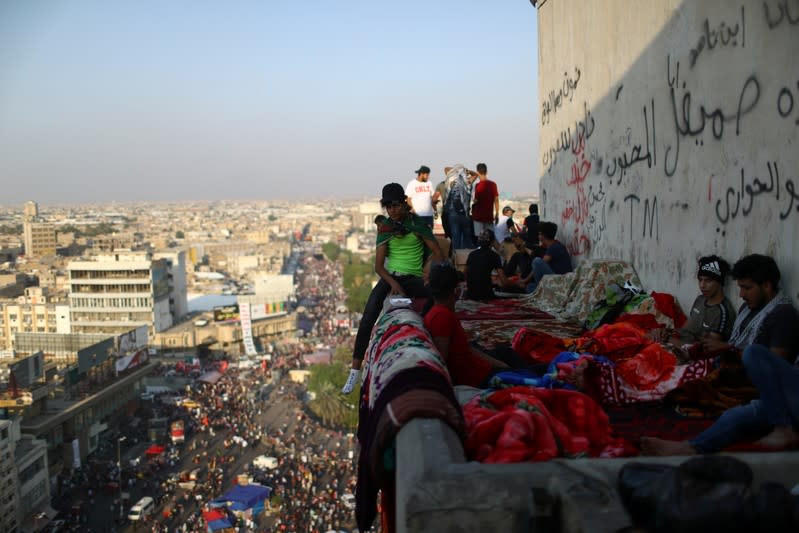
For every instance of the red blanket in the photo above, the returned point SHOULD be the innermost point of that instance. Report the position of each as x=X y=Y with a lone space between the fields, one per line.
x=522 y=424
x=617 y=341
x=537 y=346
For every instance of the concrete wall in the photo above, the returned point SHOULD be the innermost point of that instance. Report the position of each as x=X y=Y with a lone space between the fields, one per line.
x=669 y=131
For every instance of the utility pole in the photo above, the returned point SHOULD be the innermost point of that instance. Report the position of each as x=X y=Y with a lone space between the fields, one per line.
x=119 y=467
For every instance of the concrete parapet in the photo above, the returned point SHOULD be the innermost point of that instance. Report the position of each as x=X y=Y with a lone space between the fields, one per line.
x=438 y=491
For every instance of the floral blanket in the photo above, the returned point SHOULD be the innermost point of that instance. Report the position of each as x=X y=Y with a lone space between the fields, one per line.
x=573 y=296
x=399 y=342
x=499 y=309
x=405 y=378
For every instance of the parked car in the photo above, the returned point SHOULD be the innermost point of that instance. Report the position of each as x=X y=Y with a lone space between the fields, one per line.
x=142 y=509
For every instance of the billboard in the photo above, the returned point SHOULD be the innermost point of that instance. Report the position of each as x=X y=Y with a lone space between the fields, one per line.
x=131 y=341
x=226 y=313
x=95 y=354
x=28 y=370
x=263 y=310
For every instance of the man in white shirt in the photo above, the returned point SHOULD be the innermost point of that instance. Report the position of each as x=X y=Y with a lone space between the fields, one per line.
x=505 y=225
x=420 y=195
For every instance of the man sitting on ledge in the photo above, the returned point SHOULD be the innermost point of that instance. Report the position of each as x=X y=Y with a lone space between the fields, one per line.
x=556 y=259
x=400 y=263
x=467 y=364
x=767 y=333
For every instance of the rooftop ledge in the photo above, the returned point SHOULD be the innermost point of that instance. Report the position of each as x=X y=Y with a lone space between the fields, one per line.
x=438 y=491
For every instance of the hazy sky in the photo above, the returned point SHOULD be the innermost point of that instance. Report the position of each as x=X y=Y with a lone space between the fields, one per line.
x=172 y=100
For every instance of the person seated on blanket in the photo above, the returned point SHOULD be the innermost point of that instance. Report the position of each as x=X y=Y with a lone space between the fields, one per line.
x=766 y=333
x=556 y=259
x=480 y=266
x=521 y=262
x=399 y=262
x=712 y=314
x=467 y=365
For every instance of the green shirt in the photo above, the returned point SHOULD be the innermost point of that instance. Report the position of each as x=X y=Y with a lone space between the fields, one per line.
x=405 y=254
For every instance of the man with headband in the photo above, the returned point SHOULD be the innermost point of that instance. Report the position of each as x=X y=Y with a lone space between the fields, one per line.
x=766 y=334
x=712 y=314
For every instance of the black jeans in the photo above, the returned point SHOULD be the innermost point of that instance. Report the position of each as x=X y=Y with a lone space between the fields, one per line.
x=413 y=286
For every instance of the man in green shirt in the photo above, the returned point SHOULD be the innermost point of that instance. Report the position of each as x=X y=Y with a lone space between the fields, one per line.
x=402 y=242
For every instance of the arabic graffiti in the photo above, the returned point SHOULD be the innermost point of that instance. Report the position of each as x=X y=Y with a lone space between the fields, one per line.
x=576 y=209
x=650 y=216
x=555 y=99
x=740 y=201
x=691 y=121
x=785 y=102
x=721 y=35
x=567 y=138
x=788 y=10
x=597 y=223
x=620 y=163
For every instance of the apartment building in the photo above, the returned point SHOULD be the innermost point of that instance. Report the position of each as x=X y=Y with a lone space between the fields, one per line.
x=35 y=312
x=9 y=499
x=33 y=480
x=39 y=238
x=114 y=293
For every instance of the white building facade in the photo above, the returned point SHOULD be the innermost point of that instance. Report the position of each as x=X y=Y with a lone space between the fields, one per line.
x=114 y=293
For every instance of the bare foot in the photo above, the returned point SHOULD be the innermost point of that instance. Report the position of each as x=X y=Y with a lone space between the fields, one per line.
x=662 y=448
x=781 y=437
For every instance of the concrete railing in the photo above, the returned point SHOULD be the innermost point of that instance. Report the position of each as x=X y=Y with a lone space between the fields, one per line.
x=437 y=491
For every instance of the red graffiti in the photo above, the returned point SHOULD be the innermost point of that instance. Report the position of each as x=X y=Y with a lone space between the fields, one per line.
x=577 y=210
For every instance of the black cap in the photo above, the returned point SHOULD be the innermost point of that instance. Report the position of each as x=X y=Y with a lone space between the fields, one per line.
x=423 y=170
x=393 y=192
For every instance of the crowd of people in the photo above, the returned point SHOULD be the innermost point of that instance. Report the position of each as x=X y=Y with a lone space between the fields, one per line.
x=229 y=422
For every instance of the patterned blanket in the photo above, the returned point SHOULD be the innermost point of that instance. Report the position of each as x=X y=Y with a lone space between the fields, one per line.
x=405 y=378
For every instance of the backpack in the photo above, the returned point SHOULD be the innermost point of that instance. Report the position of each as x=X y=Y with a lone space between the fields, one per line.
x=454 y=204
x=608 y=310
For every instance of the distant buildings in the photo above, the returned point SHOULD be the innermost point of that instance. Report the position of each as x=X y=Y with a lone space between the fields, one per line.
x=35 y=312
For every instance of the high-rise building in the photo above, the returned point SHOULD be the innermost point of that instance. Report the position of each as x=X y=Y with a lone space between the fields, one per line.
x=114 y=293
x=39 y=237
x=30 y=210
x=9 y=485
x=178 y=297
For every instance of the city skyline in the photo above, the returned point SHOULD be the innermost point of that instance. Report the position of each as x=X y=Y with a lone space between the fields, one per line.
x=196 y=101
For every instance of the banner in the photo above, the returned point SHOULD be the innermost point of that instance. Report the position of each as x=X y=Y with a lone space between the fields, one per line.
x=226 y=313
x=246 y=328
x=75 y=454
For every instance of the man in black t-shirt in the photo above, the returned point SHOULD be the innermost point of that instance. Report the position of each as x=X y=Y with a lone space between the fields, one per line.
x=530 y=227
x=556 y=259
x=766 y=332
x=480 y=265
x=520 y=262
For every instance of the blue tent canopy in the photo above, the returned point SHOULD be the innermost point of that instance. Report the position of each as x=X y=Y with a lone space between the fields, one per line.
x=242 y=497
